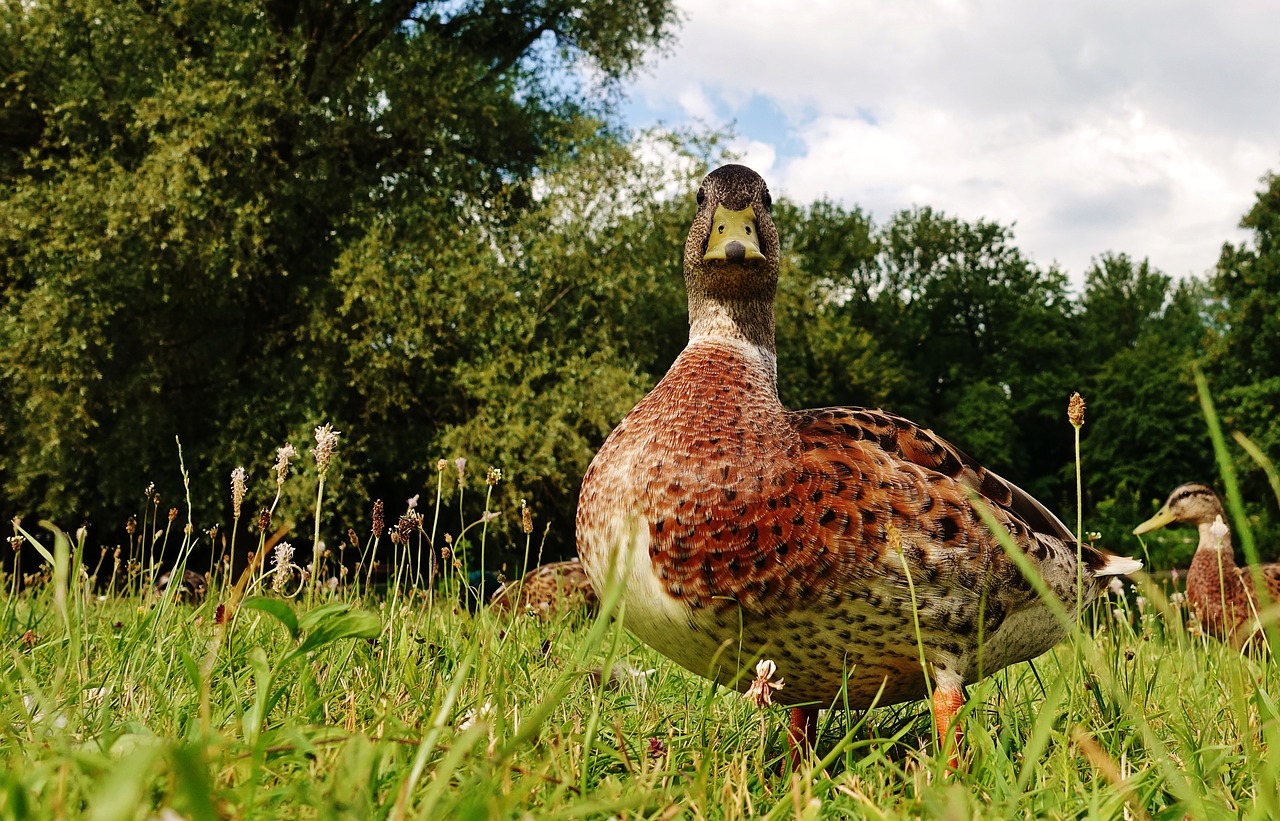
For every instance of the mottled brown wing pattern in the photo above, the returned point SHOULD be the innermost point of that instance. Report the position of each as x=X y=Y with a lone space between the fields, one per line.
x=1271 y=573
x=813 y=518
x=921 y=446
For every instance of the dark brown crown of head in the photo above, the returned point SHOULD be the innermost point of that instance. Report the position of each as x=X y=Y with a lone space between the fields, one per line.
x=1194 y=503
x=733 y=189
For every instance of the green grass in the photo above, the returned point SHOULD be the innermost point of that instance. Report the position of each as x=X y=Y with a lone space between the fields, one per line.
x=395 y=702
x=358 y=707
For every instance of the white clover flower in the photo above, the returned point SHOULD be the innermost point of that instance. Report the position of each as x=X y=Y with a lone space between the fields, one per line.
x=760 y=693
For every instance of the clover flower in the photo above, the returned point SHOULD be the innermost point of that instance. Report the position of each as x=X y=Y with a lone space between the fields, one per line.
x=760 y=693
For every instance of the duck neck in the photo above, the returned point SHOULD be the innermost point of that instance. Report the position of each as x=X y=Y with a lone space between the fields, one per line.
x=1213 y=551
x=738 y=320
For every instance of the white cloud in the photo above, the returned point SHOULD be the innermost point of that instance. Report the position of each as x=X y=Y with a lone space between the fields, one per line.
x=1140 y=127
x=756 y=154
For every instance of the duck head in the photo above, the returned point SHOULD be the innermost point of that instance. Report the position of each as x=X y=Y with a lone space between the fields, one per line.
x=731 y=257
x=1191 y=503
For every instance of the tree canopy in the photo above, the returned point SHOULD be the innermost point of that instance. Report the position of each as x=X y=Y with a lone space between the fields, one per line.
x=231 y=222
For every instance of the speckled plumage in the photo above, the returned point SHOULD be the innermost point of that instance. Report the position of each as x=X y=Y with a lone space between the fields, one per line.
x=548 y=590
x=1221 y=594
x=743 y=530
x=192 y=589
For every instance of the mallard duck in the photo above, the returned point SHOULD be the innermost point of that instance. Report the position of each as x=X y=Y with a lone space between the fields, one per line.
x=1221 y=594
x=840 y=543
x=191 y=590
x=547 y=590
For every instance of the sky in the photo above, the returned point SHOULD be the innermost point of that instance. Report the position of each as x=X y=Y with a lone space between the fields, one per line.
x=1134 y=126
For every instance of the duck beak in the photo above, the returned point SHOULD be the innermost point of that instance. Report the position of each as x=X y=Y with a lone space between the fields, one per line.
x=734 y=237
x=1156 y=522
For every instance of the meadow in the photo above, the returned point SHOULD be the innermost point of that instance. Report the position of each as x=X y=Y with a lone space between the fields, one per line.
x=279 y=696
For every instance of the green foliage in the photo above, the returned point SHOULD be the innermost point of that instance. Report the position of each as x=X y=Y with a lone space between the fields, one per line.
x=231 y=221
x=1146 y=434
x=1244 y=357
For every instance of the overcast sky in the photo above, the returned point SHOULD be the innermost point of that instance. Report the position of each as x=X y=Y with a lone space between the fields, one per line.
x=1092 y=126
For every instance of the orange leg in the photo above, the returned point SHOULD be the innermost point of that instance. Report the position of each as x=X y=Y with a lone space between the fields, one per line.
x=948 y=698
x=803 y=734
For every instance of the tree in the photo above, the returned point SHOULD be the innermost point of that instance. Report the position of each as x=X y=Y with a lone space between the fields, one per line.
x=975 y=321
x=1121 y=298
x=211 y=213
x=1145 y=433
x=1244 y=359
x=828 y=353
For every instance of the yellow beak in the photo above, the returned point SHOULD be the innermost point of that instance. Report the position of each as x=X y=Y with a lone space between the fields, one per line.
x=1156 y=522
x=734 y=237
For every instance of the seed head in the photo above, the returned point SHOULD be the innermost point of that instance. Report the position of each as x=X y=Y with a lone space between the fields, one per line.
x=494 y=476
x=264 y=520
x=326 y=443
x=283 y=455
x=131 y=525
x=894 y=537
x=1075 y=410
x=526 y=518
x=283 y=554
x=461 y=464
x=408 y=523
x=283 y=572
x=379 y=519
x=353 y=538
x=441 y=465
x=173 y=514
x=237 y=490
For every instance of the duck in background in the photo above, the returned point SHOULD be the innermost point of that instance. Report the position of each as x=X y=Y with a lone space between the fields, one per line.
x=1221 y=594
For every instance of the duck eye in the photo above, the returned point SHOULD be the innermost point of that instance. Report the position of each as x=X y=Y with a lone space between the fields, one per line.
x=702 y=197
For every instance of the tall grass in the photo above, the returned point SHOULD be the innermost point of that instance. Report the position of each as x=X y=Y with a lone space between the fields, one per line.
x=390 y=702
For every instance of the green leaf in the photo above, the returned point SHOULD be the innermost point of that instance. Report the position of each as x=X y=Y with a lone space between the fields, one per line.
x=360 y=624
x=190 y=667
x=124 y=789
x=313 y=617
x=277 y=608
x=191 y=774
